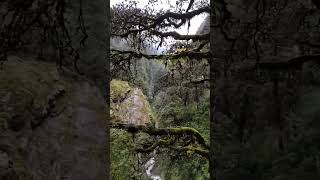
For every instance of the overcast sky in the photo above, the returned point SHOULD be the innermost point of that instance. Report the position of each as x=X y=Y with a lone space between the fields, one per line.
x=165 y=4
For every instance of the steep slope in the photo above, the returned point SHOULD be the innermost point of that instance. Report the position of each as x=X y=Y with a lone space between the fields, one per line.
x=129 y=105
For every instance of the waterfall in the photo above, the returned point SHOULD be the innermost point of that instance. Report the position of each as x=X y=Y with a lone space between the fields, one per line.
x=149 y=70
x=149 y=167
x=151 y=79
x=155 y=70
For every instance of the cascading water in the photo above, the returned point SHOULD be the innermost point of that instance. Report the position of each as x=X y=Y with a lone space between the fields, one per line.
x=155 y=70
x=151 y=80
x=150 y=70
x=149 y=167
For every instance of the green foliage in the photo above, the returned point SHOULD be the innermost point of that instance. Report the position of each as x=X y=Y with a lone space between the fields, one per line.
x=181 y=167
x=185 y=166
x=119 y=89
x=168 y=111
x=127 y=100
x=123 y=158
x=192 y=115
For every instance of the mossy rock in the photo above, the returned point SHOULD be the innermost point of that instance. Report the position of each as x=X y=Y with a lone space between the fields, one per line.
x=119 y=89
x=129 y=104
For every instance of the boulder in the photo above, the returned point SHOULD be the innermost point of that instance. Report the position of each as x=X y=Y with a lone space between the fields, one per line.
x=128 y=104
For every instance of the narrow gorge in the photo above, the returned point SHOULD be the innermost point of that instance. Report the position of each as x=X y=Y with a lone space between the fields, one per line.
x=160 y=118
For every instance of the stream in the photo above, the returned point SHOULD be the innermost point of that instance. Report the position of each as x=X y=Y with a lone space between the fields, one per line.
x=151 y=70
x=154 y=71
x=149 y=166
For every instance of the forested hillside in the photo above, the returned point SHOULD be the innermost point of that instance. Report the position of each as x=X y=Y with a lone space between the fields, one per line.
x=173 y=142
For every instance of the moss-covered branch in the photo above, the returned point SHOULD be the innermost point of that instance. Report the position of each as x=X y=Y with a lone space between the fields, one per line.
x=200 y=147
x=178 y=131
x=187 y=149
x=169 y=143
x=191 y=149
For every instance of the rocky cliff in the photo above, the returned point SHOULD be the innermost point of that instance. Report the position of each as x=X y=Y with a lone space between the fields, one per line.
x=128 y=104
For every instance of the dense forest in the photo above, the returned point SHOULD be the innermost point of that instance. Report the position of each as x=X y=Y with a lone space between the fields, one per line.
x=159 y=101
x=263 y=83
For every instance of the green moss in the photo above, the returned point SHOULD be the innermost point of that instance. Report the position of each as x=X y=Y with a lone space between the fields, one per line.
x=119 y=89
x=122 y=102
x=147 y=108
x=123 y=158
x=193 y=118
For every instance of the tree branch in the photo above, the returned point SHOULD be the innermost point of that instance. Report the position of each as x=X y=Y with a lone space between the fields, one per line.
x=178 y=36
x=190 y=54
x=159 y=20
x=163 y=143
x=200 y=151
x=179 y=131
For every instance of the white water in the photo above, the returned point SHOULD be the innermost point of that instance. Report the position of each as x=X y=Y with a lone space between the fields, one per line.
x=149 y=167
x=154 y=70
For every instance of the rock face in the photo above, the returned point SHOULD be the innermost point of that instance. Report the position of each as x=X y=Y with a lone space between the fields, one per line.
x=128 y=104
x=52 y=124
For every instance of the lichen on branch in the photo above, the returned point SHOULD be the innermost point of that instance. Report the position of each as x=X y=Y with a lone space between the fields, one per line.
x=169 y=138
